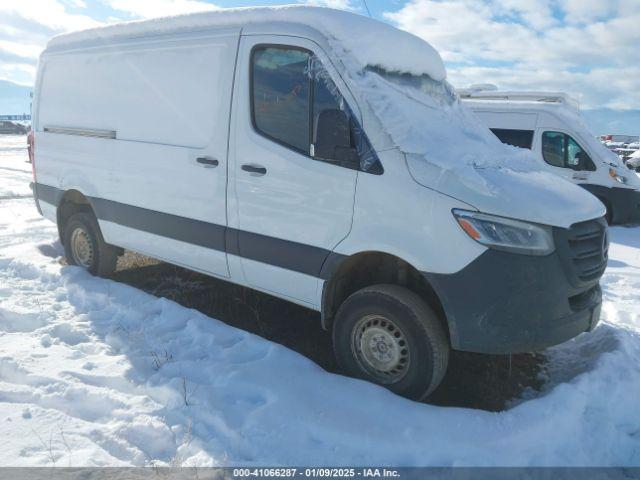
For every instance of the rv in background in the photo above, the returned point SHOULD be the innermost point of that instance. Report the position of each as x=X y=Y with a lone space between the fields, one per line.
x=550 y=125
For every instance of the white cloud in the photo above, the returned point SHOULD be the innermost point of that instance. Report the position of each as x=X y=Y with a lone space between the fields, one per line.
x=536 y=13
x=27 y=51
x=25 y=28
x=587 y=50
x=18 y=73
x=585 y=11
x=47 y=13
x=75 y=3
x=27 y=25
x=159 y=8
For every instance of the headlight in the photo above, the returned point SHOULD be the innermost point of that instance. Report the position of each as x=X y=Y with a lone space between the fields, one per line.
x=506 y=234
x=616 y=176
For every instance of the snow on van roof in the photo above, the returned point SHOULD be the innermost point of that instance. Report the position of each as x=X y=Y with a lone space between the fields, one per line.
x=370 y=42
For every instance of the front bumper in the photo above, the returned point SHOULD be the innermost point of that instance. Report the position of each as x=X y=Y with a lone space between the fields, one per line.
x=509 y=303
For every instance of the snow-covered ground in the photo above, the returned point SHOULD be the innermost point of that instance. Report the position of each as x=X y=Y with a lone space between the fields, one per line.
x=14 y=171
x=93 y=372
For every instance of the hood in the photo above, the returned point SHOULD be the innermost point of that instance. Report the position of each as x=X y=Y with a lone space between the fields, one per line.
x=534 y=196
x=449 y=150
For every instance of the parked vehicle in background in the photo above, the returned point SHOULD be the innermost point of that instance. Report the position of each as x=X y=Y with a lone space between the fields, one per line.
x=12 y=128
x=633 y=162
x=281 y=149
x=618 y=138
x=624 y=153
x=550 y=125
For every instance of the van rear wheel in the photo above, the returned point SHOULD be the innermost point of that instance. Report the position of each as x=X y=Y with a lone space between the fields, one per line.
x=388 y=335
x=85 y=247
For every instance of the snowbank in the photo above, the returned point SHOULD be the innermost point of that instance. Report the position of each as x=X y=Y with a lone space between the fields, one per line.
x=15 y=175
x=372 y=42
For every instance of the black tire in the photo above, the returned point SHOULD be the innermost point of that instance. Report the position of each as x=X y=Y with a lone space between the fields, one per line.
x=103 y=258
x=417 y=326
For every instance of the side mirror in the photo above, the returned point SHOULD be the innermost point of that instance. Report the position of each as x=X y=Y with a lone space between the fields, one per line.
x=582 y=161
x=332 y=139
x=575 y=162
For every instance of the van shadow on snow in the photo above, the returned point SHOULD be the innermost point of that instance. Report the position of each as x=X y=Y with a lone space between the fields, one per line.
x=488 y=382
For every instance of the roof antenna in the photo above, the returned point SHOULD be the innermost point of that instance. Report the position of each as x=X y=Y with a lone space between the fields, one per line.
x=366 y=7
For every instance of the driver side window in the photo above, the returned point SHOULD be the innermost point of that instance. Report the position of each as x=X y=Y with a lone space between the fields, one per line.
x=561 y=150
x=296 y=104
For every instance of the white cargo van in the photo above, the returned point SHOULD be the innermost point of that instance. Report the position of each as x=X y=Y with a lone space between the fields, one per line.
x=322 y=157
x=550 y=125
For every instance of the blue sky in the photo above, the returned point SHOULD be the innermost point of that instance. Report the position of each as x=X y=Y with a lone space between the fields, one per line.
x=589 y=48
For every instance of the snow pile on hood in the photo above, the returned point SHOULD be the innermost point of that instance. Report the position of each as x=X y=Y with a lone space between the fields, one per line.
x=371 y=42
x=431 y=121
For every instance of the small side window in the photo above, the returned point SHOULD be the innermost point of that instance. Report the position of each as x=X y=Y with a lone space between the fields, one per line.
x=561 y=150
x=516 y=138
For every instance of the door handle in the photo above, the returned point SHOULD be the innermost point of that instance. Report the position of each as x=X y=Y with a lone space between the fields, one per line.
x=207 y=161
x=256 y=169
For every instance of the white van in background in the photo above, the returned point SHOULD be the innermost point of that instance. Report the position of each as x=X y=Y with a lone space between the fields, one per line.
x=550 y=125
x=281 y=149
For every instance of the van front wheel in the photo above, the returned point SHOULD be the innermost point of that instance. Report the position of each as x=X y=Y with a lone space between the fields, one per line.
x=388 y=335
x=85 y=247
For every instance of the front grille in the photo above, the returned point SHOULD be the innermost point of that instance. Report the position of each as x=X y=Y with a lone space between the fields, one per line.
x=589 y=249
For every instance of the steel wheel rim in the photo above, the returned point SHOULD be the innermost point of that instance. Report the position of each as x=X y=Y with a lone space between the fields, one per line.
x=381 y=348
x=82 y=248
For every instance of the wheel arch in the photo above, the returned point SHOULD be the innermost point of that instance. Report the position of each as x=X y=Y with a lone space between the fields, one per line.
x=369 y=268
x=71 y=201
